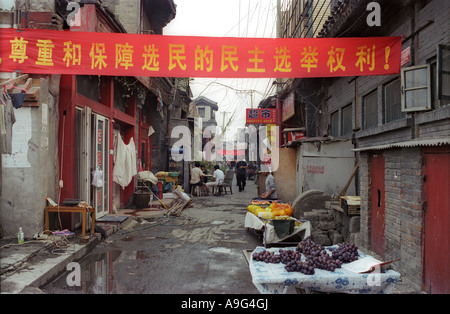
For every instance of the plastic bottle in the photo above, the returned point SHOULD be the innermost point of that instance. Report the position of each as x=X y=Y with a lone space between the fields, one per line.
x=20 y=236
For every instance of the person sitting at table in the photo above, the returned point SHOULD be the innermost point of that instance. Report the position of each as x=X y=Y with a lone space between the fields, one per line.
x=196 y=175
x=204 y=188
x=218 y=178
x=271 y=189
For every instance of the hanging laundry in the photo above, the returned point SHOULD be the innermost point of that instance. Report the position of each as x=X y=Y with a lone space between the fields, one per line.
x=151 y=130
x=17 y=99
x=159 y=104
x=125 y=162
x=97 y=178
x=9 y=120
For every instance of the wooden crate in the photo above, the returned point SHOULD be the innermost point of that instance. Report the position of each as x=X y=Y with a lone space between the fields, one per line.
x=351 y=205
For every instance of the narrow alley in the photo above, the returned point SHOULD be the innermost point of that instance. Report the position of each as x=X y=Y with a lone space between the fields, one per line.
x=106 y=105
x=200 y=252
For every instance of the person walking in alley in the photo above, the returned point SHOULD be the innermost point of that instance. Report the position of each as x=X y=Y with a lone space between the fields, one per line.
x=241 y=173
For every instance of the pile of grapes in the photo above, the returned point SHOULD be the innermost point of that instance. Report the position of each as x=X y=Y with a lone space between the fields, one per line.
x=315 y=257
x=345 y=252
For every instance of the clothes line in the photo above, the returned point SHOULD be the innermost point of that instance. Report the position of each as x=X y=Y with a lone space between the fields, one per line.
x=14 y=80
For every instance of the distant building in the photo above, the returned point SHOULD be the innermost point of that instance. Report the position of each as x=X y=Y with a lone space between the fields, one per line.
x=206 y=110
x=82 y=118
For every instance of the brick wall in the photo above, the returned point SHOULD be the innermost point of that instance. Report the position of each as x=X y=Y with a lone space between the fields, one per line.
x=403 y=214
x=127 y=12
x=364 y=180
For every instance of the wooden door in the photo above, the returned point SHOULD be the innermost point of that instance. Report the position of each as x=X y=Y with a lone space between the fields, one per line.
x=436 y=257
x=377 y=203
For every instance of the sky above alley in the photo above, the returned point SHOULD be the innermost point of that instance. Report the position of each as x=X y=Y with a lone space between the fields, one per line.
x=227 y=18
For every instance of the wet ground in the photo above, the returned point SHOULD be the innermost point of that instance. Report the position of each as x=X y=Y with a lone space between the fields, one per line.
x=199 y=252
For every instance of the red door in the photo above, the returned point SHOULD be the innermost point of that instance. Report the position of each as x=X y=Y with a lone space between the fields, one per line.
x=436 y=257
x=377 y=203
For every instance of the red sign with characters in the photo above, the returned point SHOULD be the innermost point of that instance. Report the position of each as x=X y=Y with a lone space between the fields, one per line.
x=261 y=116
x=65 y=52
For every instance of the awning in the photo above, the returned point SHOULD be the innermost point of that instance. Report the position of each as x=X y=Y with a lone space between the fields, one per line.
x=412 y=143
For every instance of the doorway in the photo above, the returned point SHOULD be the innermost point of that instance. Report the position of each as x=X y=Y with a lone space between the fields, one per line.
x=436 y=225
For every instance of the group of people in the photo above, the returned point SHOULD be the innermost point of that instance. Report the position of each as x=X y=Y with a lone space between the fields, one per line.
x=199 y=178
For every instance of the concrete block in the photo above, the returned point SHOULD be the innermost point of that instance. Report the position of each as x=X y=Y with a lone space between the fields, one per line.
x=335 y=237
x=311 y=216
x=321 y=239
x=354 y=224
x=326 y=225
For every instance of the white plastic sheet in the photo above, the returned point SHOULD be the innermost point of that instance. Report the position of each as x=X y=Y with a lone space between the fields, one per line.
x=274 y=278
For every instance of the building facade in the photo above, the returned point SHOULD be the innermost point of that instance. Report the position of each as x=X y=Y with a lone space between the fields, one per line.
x=79 y=126
x=398 y=128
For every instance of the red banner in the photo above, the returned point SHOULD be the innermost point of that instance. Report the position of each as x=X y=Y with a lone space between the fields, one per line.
x=118 y=54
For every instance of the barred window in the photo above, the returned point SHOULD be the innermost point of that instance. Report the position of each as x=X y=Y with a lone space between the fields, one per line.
x=347 y=120
x=393 y=101
x=334 y=121
x=370 y=110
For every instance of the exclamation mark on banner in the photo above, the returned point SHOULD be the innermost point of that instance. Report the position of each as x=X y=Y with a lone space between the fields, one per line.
x=387 y=51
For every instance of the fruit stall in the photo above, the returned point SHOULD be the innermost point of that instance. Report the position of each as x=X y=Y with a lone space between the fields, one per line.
x=274 y=220
x=341 y=268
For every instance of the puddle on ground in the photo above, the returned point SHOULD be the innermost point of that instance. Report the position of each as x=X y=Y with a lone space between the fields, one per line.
x=220 y=250
x=96 y=273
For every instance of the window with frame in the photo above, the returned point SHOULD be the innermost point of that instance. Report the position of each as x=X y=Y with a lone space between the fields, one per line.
x=370 y=110
x=393 y=101
x=201 y=112
x=334 y=122
x=346 y=124
x=443 y=75
x=416 y=88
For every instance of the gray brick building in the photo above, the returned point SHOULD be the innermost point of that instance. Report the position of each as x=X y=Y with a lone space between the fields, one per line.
x=399 y=127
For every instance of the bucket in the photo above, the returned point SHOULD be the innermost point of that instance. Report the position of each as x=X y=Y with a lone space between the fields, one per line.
x=141 y=199
x=283 y=227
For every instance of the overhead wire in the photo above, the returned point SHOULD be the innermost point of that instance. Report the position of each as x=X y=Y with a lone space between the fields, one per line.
x=251 y=87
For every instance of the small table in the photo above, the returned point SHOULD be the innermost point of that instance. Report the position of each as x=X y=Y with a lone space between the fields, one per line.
x=72 y=209
x=274 y=278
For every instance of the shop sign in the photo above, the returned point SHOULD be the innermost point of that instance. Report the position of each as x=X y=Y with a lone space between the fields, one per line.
x=288 y=107
x=261 y=116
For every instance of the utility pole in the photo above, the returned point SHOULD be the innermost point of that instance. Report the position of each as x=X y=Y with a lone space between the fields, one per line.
x=278 y=18
x=223 y=120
